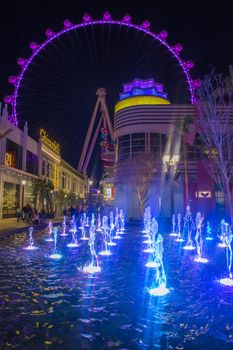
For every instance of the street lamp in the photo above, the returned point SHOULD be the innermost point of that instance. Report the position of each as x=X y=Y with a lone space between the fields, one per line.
x=23 y=182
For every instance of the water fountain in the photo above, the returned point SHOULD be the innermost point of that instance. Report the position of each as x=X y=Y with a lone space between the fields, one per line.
x=153 y=263
x=224 y=227
x=93 y=266
x=55 y=254
x=189 y=227
x=179 y=235
x=31 y=241
x=121 y=222
x=112 y=228
x=50 y=232
x=199 y=239
x=74 y=242
x=209 y=236
x=105 y=227
x=160 y=281
x=151 y=236
x=228 y=281
x=147 y=221
x=173 y=233
x=83 y=230
x=117 y=225
x=99 y=229
x=64 y=234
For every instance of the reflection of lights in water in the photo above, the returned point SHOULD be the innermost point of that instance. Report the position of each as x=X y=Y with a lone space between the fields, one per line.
x=55 y=256
x=91 y=269
x=149 y=250
x=84 y=238
x=144 y=231
x=117 y=237
x=149 y=241
x=179 y=240
x=49 y=239
x=226 y=281
x=30 y=247
x=105 y=253
x=121 y=232
x=72 y=245
x=160 y=291
x=111 y=244
x=209 y=238
x=201 y=260
x=152 y=264
x=173 y=234
x=222 y=245
x=189 y=247
x=64 y=234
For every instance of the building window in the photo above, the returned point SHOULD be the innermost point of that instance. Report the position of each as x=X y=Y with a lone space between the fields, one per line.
x=124 y=147
x=32 y=163
x=138 y=143
x=14 y=154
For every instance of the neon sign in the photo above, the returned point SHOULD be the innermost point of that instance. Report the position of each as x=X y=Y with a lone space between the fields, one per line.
x=46 y=140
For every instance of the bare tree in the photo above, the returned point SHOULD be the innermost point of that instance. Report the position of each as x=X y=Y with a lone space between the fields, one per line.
x=215 y=127
x=138 y=175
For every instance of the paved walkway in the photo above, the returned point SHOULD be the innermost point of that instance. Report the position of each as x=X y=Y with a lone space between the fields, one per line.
x=8 y=225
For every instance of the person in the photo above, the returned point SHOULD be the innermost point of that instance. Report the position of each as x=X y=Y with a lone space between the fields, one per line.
x=65 y=212
x=36 y=217
x=18 y=213
x=42 y=217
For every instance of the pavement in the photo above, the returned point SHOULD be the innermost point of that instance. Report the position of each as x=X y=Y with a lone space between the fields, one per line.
x=9 y=226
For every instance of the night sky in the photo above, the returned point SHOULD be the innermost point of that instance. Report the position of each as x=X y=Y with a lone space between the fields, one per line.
x=59 y=89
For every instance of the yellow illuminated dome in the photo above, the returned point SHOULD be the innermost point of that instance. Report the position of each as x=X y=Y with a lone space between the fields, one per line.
x=140 y=100
x=142 y=92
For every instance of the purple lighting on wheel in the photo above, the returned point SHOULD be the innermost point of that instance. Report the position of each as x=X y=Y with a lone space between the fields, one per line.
x=189 y=64
x=146 y=24
x=8 y=99
x=67 y=24
x=107 y=19
x=86 y=18
x=34 y=46
x=163 y=35
x=21 y=61
x=49 y=33
x=12 y=79
x=107 y=16
x=178 y=48
x=127 y=18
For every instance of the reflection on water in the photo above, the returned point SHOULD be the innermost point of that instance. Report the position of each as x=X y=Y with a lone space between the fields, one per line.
x=52 y=304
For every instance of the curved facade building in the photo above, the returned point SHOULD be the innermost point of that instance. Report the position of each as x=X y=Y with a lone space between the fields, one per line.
x=144 y=125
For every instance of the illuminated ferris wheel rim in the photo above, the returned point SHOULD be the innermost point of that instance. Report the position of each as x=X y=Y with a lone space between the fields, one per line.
x=88 y=21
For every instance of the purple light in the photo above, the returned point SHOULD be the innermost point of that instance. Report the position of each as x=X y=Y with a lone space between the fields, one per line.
x=34 y=46
x=8 y=99
x=49 y=33
x=21 y=61
x=86 y=18
x=24 y=63
x=189 y=64
x=163 y=35
x=146 y=24
x=12 y=79
x=107 y=16
x=178 y=48
x=67 y=23
x=127 y=18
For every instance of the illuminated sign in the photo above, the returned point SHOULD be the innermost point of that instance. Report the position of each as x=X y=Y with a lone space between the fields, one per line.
x=50 y=143
x=108 y=192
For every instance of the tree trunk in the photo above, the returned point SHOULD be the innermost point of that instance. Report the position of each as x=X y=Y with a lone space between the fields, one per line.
x=140 y=203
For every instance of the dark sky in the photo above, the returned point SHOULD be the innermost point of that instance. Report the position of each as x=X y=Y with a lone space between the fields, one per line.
x=59 y=90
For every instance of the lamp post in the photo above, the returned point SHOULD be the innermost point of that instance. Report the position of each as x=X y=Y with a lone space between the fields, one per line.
x=170 y=165
x=23 y=183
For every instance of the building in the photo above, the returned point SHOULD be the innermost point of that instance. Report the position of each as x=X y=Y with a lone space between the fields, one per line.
x=22 y=160
x=145 y=124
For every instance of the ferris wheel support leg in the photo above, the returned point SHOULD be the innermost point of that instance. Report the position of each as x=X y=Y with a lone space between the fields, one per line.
x=88 y=136
x=106 y=116
x=88 y=157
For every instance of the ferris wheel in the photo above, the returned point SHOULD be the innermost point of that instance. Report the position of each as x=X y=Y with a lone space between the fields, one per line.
x=52 y=38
